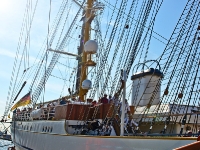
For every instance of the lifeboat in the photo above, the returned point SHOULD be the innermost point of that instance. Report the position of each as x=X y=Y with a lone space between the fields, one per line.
x=146 y=87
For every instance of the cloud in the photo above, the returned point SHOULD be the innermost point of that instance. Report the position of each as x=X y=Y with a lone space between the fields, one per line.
x=7 y=53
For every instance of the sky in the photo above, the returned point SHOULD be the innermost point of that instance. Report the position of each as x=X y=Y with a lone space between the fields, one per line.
x=11 y=17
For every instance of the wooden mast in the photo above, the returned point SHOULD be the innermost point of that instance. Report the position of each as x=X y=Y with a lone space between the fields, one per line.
x=86 y=36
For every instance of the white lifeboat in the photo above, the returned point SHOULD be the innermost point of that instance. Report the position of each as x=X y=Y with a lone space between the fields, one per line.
x=144 y=85
x=37 y=113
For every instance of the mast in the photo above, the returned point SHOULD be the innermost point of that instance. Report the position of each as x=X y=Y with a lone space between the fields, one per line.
x=80 y=50
x=89 y=15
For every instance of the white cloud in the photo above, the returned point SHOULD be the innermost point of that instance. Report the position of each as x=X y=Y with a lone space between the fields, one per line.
x=7 y=53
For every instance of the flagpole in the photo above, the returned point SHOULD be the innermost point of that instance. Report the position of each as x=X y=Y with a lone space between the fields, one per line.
x=19 y=91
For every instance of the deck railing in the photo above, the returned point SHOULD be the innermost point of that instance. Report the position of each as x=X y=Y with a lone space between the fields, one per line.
x=47 y=114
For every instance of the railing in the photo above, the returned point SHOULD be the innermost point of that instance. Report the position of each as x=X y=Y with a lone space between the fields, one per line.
x=47 y=114
x=22 y=116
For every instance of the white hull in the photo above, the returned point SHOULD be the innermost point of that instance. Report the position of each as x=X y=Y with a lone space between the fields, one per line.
x=57 y=139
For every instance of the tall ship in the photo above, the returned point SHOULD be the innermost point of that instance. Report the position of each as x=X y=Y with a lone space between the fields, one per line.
x=102 y=78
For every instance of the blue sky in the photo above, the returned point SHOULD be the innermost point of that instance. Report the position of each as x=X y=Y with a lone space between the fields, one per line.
x=11 y=17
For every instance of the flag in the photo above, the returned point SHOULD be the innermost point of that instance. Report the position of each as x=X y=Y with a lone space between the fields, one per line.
x=23 y=101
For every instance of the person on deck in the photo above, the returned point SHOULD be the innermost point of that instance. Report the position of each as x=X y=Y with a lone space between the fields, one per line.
x=130 y=124
x=104 y=99
x=118 y=119
x=52 y=110
x=126 y=108
x=110 y=98
x=115 y=101
x=53 y=104
x=14 y=112
x=111 y=101
x=18 y=112
x=199 y=132
x=93 y=103
x=63 y=102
